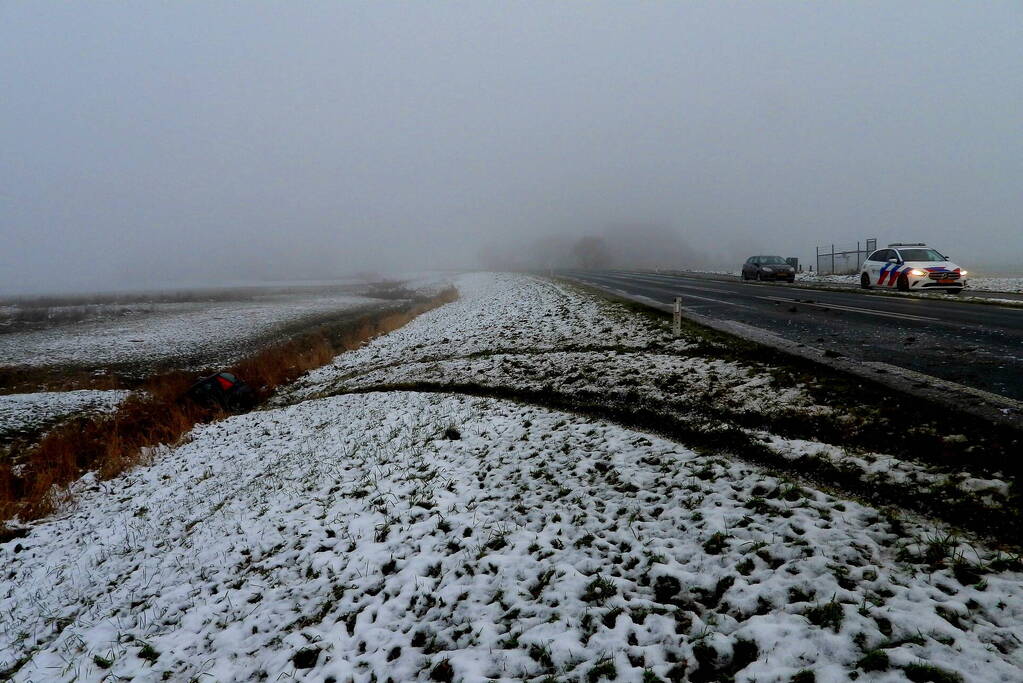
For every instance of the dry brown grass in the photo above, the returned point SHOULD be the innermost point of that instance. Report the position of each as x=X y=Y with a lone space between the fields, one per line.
x=17 y=380
x=112 y=444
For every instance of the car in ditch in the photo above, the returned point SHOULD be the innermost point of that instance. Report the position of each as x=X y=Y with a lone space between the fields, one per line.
x=223 y=390
x=911 y=267
x=768 y=268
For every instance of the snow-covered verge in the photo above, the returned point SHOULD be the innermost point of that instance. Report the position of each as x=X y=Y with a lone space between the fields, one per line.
x=851 y=280
x=530 y=338
x=712 y=385
x=497 y=313
x=20 y=413
x=414 y=536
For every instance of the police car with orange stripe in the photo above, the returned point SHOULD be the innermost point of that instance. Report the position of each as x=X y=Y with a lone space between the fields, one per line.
x=911 y=268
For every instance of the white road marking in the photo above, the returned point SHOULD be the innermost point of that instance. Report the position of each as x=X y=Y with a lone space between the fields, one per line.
x=693 y=296
x=854 y=309
x=672 y=280
x=697 y=287
x=706 y=298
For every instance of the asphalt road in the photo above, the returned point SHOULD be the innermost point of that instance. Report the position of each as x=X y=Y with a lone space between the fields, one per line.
x=978 y=345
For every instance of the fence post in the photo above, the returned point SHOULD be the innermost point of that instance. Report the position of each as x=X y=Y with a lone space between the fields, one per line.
x=832 y=259
x=676 y=323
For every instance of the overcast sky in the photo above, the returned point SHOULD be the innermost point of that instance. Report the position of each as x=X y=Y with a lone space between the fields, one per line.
x=146 y=142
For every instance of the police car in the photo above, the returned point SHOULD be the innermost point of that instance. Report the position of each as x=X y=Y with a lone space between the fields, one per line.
x=911 y=267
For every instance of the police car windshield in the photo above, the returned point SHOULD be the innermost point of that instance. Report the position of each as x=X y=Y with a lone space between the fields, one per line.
x=772 y=260
x=920 y=255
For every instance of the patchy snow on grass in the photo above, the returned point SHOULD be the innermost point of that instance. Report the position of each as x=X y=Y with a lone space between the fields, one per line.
x=32 y=412
x=498 y=313
x=510 y=335
x=434 y=536
x=712 y=385
x=410 y=536
x=883 y=469
x=164 y=331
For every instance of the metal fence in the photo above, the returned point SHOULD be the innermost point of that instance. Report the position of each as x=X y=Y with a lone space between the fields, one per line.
x=846 y=261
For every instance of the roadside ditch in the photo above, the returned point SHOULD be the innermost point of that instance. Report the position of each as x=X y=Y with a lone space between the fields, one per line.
x=36 y=468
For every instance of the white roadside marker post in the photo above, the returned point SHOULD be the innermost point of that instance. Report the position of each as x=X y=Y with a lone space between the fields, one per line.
x=676 y=323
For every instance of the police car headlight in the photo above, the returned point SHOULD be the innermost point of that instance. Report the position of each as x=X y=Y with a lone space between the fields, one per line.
x=963 y=272
x=918 y=272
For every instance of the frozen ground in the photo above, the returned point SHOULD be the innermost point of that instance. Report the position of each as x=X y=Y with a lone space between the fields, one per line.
x=406 y=536
x=21 y=413
x=361 y=531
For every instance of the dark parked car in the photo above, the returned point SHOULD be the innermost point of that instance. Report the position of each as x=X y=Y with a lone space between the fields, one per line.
x=768 y=268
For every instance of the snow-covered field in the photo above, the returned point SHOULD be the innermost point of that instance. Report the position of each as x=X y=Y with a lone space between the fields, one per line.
x=416 y=535
x=157 y=332
x=32 y=412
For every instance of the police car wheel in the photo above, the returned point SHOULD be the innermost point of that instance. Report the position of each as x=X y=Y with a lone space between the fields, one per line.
x=903 y=283
x=864 y=281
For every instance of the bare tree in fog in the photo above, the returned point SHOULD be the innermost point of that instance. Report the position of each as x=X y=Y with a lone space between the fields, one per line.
x=641 y=245
x=616 y=245
x=591 y=252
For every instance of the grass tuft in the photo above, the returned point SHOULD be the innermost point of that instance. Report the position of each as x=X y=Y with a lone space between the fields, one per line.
x=599 y=590
x=828 y=615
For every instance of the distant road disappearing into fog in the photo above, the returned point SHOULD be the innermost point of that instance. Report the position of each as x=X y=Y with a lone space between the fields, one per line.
x=978 y=345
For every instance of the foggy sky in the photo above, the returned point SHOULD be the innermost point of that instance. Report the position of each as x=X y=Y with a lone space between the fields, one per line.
x=151 y=142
